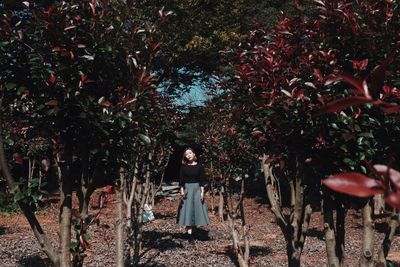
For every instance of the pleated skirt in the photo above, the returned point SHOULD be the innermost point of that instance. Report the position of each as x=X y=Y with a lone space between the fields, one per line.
x=192 y=211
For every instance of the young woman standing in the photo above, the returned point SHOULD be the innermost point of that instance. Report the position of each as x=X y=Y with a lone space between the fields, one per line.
x=192 y=211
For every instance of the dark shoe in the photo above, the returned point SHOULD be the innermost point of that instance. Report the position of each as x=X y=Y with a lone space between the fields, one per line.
x=190 y=238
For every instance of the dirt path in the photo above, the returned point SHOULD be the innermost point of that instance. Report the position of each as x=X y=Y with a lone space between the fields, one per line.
x=165 y=243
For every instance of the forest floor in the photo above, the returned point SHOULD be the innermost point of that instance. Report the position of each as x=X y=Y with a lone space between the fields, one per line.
x=165 y=244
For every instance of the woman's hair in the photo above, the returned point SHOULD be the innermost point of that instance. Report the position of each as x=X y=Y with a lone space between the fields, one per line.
x=184 y=159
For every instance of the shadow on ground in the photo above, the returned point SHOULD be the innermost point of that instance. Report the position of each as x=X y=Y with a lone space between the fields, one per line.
x=315 y=232
x=162 y=241
x=34 y=261
x=255 y=251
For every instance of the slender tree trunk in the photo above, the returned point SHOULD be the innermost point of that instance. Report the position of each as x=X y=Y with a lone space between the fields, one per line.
x=143 y=199
x=221 y=203
x=245 y=228
x=367 y=253
x=212 y=188
x=294 y=229
x=65 y=209
x=379 y=204
x=119 y=225
x=333 y=247
x=340 y=232
x=390 y=233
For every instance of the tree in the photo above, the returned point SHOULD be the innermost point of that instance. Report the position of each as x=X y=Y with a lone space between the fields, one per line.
x=281 y=77
x=79 y=75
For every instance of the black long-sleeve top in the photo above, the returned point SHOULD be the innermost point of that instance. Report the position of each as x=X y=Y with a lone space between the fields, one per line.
x=192 y=174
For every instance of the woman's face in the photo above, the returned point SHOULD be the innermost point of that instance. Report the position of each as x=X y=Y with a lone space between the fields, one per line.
x=189 y=155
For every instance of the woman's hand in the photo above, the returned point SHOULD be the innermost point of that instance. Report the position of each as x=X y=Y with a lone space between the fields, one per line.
x=202 y=195
x=182 y=193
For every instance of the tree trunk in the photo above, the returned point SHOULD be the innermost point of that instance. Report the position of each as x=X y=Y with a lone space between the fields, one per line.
x=329 y=231
x=390 y=233
x=65 y=209
x=119 y=225
x=379 y=204
x=245 y=229
x=143 y=199
x=367 y=253
x=212 y=188
x=294 y=230
x=221 y=203
x=340 y=232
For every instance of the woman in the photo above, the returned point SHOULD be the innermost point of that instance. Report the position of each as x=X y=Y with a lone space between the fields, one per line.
x=192 y=211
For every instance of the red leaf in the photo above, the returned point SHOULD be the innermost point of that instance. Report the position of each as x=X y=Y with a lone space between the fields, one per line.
x=262 y=139
x=50 y=10
x=390 y=109
x=104 y=102
x=256 y=133
x=18 y=159
x=317 y=73
x=360 y=64
x=354 y=184
x=144 y=78
x=93 y=8
x=59 y=49
x=83 y=242
x=393 y=174
x=394 y=200
x=342 y=103
x=360 y=85
x=52 y=79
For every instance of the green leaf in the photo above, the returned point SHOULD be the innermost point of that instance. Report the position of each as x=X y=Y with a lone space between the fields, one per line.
x=19 y=196
x=349 y=162
x=144 y=138
x=10 y=86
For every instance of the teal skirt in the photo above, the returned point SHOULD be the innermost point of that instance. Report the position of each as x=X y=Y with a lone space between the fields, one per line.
x=192 y=211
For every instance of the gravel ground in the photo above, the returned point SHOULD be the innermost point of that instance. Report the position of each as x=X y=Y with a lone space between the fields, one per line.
x=165 y=243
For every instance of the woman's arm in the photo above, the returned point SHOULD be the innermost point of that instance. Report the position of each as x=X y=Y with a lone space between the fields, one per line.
x=202 y=181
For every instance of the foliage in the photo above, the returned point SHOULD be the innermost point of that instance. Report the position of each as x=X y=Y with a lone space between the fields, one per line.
x=79 y=78
x=283 y=77
x=198 y=30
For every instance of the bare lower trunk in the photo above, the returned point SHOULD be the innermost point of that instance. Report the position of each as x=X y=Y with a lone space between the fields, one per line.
x=379 y=204
x=119 y=225
x=390 y=233
x=330 y=238
x=221 y=203
x=212 y=188
x=245 y=228
x=367 y=253
x=65 y=216
x=329 y=231
x=232 y=211
x=340 y=232
x=84 y=201
x=294 y=229
x=142 y=200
